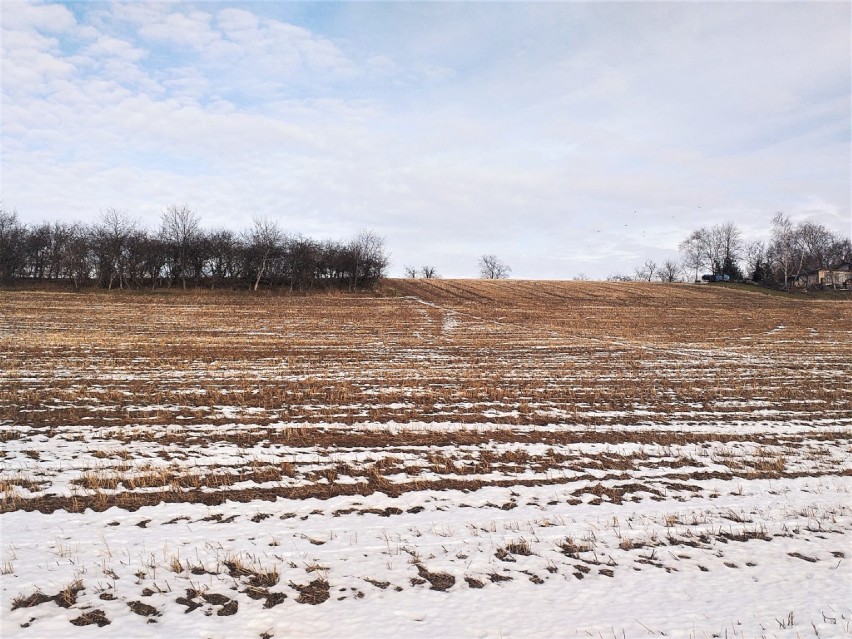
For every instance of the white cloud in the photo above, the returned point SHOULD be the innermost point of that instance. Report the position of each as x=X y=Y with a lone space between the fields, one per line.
x=31 y=59
x=107 y=46
x=16 y=15
x=274 y=47
x=181 y=29
x=238 y=25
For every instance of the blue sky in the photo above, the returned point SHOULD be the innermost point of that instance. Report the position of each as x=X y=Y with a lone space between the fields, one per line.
x=564 y=137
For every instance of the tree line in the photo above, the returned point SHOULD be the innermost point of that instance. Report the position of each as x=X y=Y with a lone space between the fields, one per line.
x=719 y=252
x=118 y=252
x=491 y=267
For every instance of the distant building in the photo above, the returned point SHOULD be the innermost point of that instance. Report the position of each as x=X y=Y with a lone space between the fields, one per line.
x=838 y=277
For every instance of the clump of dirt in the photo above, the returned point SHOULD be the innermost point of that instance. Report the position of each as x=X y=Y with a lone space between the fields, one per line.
x=271 y=598
x=799 y=555
x=571 y=549
x=219 y=518
x=35 y=599
x=143 y=609
x=92 y=617
x=215 y=599
x=745 y=535
x=313 y=593
x=227 y=606
x=534 y=578
x=519 y=548
x=256 y=593
x=190 y=600
x=440 y=580
x=503 y=555
x=264 y=579
x=387 y=512
x=378 y=584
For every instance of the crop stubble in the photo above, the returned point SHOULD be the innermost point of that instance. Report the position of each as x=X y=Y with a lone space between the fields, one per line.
x=207 y=396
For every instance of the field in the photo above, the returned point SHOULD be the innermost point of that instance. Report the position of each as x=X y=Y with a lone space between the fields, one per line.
x=439 y=458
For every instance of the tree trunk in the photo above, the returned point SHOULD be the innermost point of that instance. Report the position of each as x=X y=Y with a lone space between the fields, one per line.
x=260 y=272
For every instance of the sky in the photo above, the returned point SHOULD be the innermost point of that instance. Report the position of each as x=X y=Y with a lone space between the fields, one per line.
x=566 y=138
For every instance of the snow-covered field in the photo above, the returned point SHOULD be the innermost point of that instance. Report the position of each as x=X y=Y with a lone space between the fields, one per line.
x=453 y=459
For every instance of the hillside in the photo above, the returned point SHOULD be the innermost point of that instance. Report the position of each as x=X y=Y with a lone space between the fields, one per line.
x=647 y=311
x=398 y=463
x=469 y=350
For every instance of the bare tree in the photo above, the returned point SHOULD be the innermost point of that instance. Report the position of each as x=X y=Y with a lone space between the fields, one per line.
x=755 y=253
x=12 y=240
x=786 y=250
x=112 y=235
x=492 y=268
x=366 y=259
x=618 y=277
x=265 y=243
x=823 y=249
x=154 y=255
x=581 y=277
x=647 y=271
x=429 y=272
x=844 y=250
x=719 y=248
x=225 y=248
x=303 y=257
x=692 y=249
x=180 y=228
x=59 y=237
x=669 y=271
x=727 y=240
x=410 y=271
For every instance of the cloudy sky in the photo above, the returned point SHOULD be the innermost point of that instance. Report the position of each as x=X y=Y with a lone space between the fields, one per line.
x=565 y=138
